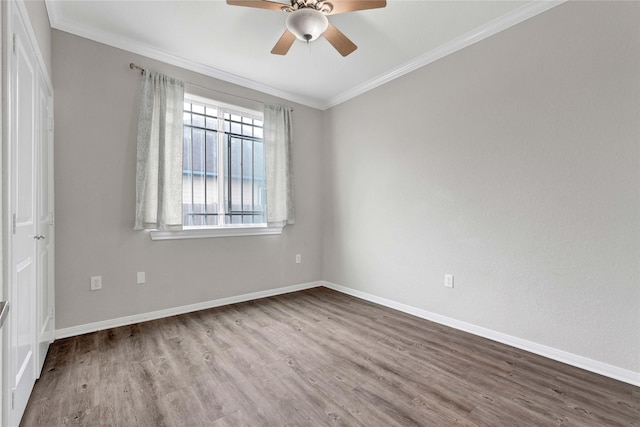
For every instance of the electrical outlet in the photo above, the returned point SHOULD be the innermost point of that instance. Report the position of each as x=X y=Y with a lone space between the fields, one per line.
x=96 y=283
x=448 y=280
x=298 y=259
x=141 y=278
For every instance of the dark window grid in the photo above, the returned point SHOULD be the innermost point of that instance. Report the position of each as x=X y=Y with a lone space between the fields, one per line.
x=230 y=178
x=191 y=168
x=202 y=172
x=243 y=121
x=190 y=160
x=204 y=119
x=242 y=212
x=205 y=131
x=242 y=137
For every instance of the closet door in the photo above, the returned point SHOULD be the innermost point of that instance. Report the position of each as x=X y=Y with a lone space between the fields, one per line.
x=22 y=181
x=44 y=236
x=28 y=279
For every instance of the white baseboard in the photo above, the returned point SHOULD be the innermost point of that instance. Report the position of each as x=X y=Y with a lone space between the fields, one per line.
x=607 y=370
x=143 y=317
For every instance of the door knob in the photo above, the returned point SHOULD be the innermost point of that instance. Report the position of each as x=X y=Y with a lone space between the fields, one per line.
x=39 y=236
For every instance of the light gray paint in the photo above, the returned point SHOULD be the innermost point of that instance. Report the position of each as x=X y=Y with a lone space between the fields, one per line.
x=40 y=22
x=513 y=164
x=242 y=37
x=96 y=106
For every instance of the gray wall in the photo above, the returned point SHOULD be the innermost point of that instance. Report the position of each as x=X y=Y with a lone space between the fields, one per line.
x=96 y=107
x=513 y=164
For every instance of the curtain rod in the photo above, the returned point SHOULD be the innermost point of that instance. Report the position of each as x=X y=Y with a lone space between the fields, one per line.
x=142 y=70
x=136 y=67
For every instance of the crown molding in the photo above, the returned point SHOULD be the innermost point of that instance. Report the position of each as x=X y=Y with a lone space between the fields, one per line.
x=517 y=16
x=58 y=22
x=482 y=32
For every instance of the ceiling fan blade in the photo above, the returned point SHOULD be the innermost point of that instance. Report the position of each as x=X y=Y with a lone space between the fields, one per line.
x=285 y=42
x=259 y=4
x=339 y=40
x=341 y=6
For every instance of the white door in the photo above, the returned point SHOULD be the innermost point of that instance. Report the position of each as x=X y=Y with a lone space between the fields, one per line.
x=44 y=236
x=24 y=222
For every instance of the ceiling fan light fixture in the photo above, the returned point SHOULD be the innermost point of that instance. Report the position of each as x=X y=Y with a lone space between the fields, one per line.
x=307 y=24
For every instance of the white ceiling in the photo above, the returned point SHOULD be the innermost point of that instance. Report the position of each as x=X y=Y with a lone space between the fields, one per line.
x=233 y=43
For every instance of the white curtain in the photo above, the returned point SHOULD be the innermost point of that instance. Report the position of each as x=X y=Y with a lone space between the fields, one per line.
x=277 y=143
x=159 y=160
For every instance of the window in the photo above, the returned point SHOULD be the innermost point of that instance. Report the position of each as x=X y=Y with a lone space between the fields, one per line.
x=223 y=174
x=223 y=180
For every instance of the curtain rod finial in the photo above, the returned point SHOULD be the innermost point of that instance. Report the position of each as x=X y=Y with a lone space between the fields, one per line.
x=135 y=67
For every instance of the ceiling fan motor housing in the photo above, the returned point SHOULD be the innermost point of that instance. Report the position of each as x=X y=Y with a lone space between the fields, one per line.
x=307 y=20
x=307 y=24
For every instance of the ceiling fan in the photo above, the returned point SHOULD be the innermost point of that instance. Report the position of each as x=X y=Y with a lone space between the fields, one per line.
x=308 y=20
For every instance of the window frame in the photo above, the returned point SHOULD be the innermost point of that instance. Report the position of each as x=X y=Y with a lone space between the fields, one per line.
x=199 y=233
x=226 y=230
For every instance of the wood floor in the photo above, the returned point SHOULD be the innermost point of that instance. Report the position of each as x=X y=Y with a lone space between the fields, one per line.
x=313 y=358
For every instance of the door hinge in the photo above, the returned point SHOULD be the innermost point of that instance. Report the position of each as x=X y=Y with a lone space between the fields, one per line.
x=51 y=312
x=13 y=399
x=51 y=124
x=14 y=43
x=13 y=227
x=50 y=218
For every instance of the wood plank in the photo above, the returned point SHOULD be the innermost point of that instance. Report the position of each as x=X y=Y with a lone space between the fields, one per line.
x=315 y=357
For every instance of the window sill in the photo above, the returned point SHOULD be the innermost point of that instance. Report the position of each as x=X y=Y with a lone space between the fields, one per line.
x=202 y=233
